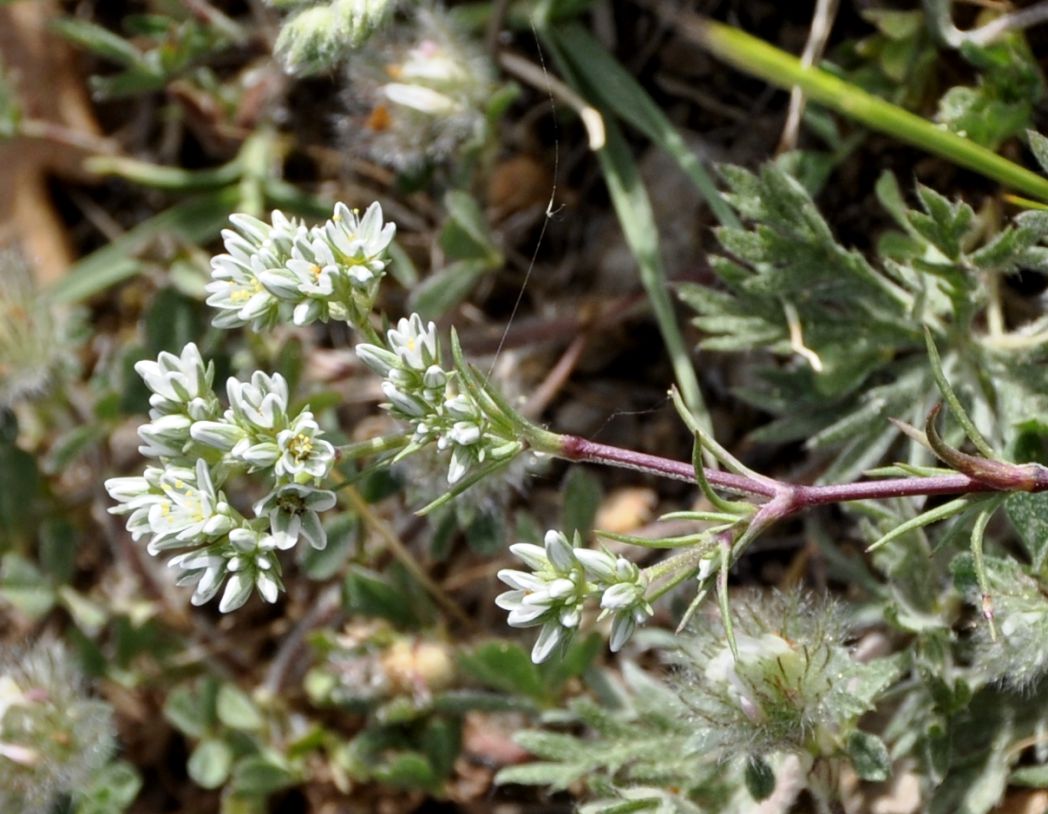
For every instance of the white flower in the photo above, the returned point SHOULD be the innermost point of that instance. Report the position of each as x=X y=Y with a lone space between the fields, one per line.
x=462 y=408
x=292 y=510
x=434 y=379
x=463 y=459
x=281 y=271
x=204 y=569
x=165 y=437
x=464 y=433
x=255 y=454
x=223 y=435
x=302 y=450
x=260 y=404
x=415 y=343
x=136 y=495
x=314 y=266
x=180 y=384
x=253 y=565
x=553 y=634
x=360 y=243
x=310 y=279
x=404 y=404
x=378 y=359
x=245 y=561
x=624 y=587
x=236 y=288
x=192 y=511
x=238 y=294
x=552 y=597
x=600 y=566
x=625 y=622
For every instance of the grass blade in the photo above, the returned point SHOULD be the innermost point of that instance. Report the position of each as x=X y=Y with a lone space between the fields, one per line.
x=613 y=87
x=193 y=221
x=637 y=218
x=756 y=57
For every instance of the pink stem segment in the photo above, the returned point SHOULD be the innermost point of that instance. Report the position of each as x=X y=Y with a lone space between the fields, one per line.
x=794 y=498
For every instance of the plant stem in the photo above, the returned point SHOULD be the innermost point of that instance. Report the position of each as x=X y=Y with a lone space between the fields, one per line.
x=679 y=566
x=373 y=446
x=574 y=448
x=808 y=496
x=685 y=571
x=793 y=498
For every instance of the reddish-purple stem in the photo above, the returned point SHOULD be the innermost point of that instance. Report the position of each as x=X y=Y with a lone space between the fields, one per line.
x=794 y=498
x=575 y=448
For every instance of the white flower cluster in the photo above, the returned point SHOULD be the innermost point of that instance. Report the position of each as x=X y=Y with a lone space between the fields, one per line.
x=285 y=272
x=425 y=395
x=178 y=505
x=561 y=579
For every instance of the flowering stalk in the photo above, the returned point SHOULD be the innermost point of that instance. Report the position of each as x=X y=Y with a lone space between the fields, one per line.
x=284 y=271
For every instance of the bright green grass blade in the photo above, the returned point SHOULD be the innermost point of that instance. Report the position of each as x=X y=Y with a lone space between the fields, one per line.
x=633 y=207
x=756 y=57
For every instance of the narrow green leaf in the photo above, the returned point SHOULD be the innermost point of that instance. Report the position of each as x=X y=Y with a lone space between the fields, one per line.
x=956 y=408
x=192 y=221
x=615 y=88
x=942 y=512
x=101 y=41
x=752 y=55
x=978 y=532
x=723 y=599
x=687 y=541
x=159 y=176
x=637 y=219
